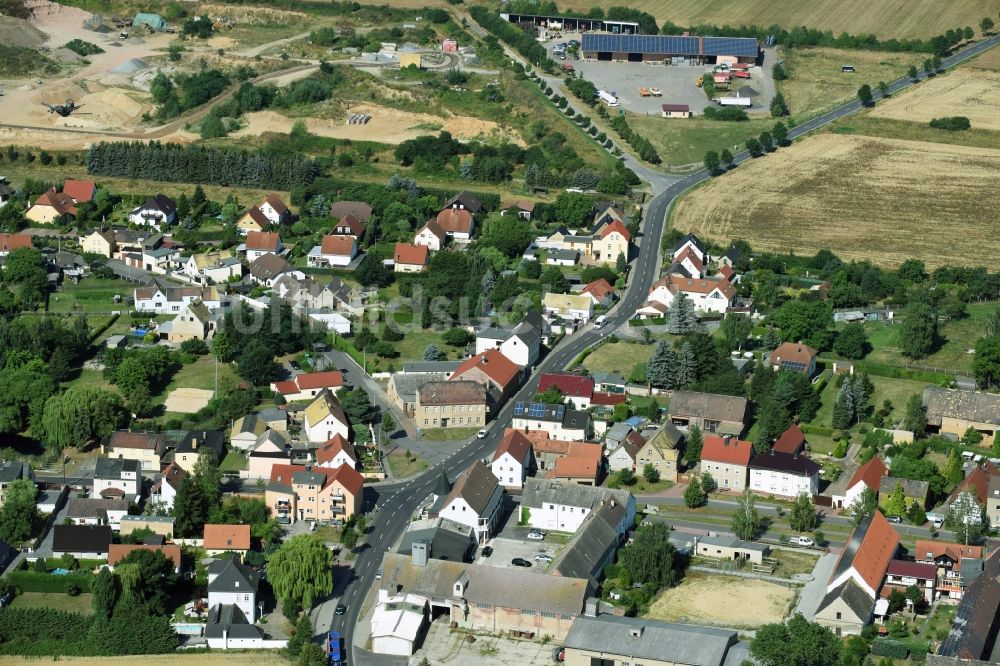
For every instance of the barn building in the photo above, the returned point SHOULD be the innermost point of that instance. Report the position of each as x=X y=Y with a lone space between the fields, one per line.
x=573 y=24
x=688 y=50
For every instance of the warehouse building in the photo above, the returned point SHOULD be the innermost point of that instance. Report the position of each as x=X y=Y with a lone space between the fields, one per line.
x=686 y=50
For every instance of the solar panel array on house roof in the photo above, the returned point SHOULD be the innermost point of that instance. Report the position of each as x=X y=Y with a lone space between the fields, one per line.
x=794 y=366
x=734 y=46
x=539 y=410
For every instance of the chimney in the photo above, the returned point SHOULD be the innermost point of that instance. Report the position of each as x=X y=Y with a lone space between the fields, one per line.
x=725 y=440
x=590 y=607
x=635 y=632
x=419 y=552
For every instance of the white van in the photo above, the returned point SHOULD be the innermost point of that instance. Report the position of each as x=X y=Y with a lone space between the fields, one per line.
x=599 y=322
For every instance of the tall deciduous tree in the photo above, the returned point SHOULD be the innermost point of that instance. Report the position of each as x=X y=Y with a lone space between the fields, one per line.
x=82 y=415
x=802 y=517
x=301 y=570
x=19 y=514
x=736 y=329
x=865 y=95
x=918 y=333
x=746 y=521
x=649 y=559
x=712 y=162
x=797 y=642
x=986 y=363
x=865 y=505
x=106 y=590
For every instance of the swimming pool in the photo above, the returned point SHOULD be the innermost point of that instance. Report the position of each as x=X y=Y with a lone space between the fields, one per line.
x=187 y=629
x=60 y=572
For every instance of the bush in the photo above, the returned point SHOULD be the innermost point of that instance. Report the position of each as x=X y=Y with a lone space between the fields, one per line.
x=73 y=589
x=951 y=123
x=884 y=647
x=31 y=581
x=841 y=449
x=730 y=113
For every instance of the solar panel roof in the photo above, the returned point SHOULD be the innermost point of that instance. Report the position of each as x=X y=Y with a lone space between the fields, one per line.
x=736 y=46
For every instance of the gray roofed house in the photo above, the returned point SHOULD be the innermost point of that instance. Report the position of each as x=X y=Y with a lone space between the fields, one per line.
x=493 y=333
x=82 y=541
x=12 y=470
x=850 y=596
x=974 y=632
x=419 y=367
x=227 y=621
x=605 y=380
x=911 y=489
x=546 y=491
x=480 y=491
x=635 y=639
x=593 y=546
x=617 y=433
x=228 y=575
x=446 y=539
x=716 y=414
x=95 y=508
x=562 y=256
x=112 y=468
x=403 y=387
x=966 y=405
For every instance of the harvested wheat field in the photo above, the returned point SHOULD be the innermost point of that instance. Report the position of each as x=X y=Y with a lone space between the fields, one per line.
x=722 y=600
x=974 y=94
x=886 y=18
x=988 y=60
x=387 y=125
x=228 y=658
x=884 y=200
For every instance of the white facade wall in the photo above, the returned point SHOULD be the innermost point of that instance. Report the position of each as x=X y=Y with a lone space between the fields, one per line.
x=325 y=429
x=509 y=471
x=782 y=483
x=246 y=601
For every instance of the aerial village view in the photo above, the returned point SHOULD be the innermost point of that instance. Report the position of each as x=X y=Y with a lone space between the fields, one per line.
x=499 y=332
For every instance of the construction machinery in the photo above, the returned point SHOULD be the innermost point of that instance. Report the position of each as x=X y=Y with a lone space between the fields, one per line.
x=63 y=109
x=644 y=92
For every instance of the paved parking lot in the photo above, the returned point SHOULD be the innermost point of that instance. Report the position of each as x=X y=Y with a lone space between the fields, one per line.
x=504 y=550
x=444 y=646
x=676 y=82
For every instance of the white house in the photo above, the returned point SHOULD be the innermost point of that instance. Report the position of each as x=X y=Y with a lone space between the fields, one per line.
x=693 y=243
x=564 y=506
x=157 y=212
x=232 y=604
x=475 y=500
x=708 y=294
x=868 y=475
x=512 y=459
x=334 y=321
x=324 y=418
x=165 y=489
x=259 y=243
x=431 y=236
x=521 y=345
x=96 y=511
x=397 y=623
x=308 y=385
x=117 y=477
x=213 y=267
x=336 y=452
x=784 y=474
x=334 y=251
x=161 y=299
x=575 y=307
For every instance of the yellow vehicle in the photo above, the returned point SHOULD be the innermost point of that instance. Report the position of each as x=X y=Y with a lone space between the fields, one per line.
x=644 y=92
x=699 y=82
x=655 y=92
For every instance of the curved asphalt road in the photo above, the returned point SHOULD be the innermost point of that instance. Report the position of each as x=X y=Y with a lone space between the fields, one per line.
x=398 y=501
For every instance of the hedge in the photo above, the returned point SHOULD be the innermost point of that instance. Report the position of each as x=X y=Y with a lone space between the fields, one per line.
x=886 y=647
x=815 y=430
x=30 y=581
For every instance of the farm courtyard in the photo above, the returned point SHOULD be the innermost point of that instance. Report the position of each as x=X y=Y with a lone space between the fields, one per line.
x=861 y=197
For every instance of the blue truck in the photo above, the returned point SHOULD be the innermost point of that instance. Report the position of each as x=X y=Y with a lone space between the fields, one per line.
x=333 y=648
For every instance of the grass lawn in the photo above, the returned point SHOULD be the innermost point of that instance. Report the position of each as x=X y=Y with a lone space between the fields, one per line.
x=644 y=487
x=937 y=625
x=618 y=357
x=898 y=391
x=233 y=462
x=821 y=443
x=815 y=81
x=54 y=600
x=404 y=464
x=91 y=295
x=682 y=142
x=447 y=434
x=793 y=562
x=957 y=338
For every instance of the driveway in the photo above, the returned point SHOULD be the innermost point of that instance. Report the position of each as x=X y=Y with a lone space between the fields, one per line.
x=812 y=594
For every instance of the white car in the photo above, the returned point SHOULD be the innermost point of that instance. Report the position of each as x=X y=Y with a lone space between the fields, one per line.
x=802 y=541
x=543 y=557
x=482 y=433
x=535 y=535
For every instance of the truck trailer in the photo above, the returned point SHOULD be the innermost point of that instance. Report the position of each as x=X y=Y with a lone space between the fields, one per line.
x=744 y=102
x=607 y=98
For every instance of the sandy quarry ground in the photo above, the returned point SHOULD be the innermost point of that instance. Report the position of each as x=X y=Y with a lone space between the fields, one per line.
x=187 y=400
x=883 y=200
x=974 y=94
x=386 y=125
x=105 y=108
x=723 y=600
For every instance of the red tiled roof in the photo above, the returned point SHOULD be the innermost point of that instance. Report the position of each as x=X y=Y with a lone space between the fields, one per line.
x=727 y=271
x=515 y=443
x=794 y=352
x=286 y=387
x=493 y=364
x=932 y=550
x=878 y=545
x=977 y=482
x=263 y=240
x=415 y=255
x=688 y=253
x=173 y=475
x=735 y=452
x=277 y=204
x=257 y=215
x=599 y=289
x=353 y=224
x=332 y=448
x=912 y=569
x=576 y=467
x=10 y=242
x=791 y=441
x=61 y=201
x=338 y=245
x=435 y=228
x=125 y=439
x=227 y=537
x=705 y=285
x=871 y=473
x=80 y=190
x=569 y=384
x=615 y=226
x=607 y=399
x=455 y=220
x=347 y=476
x=319 y=380
x=117 y=551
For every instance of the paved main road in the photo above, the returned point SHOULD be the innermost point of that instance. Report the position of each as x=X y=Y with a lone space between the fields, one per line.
x=397 y=502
